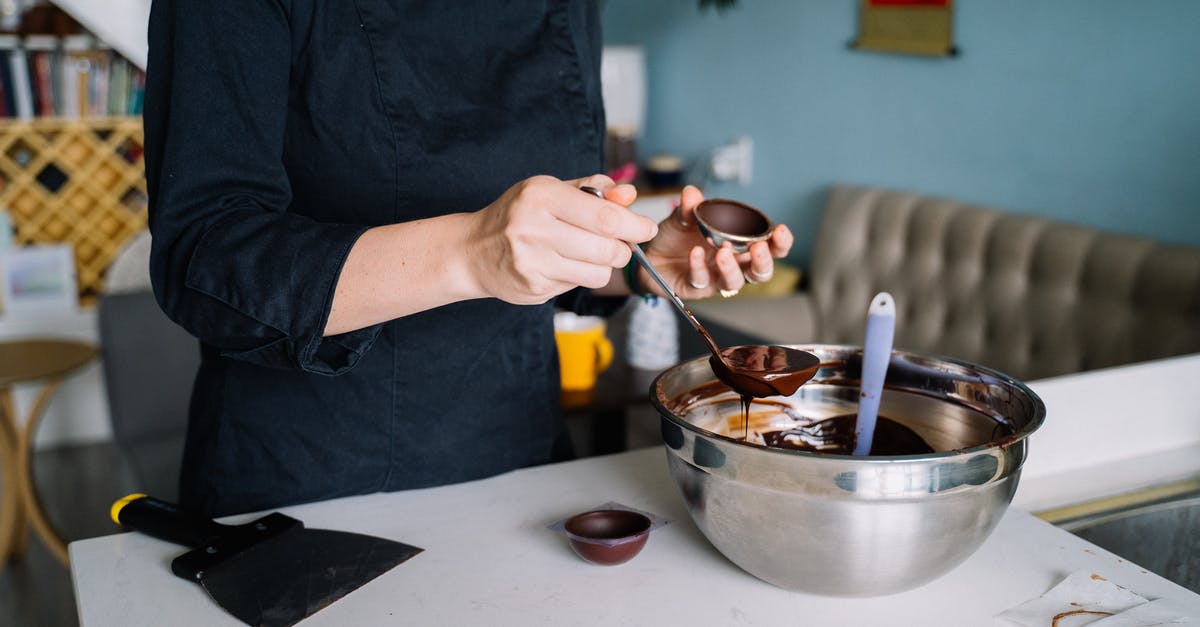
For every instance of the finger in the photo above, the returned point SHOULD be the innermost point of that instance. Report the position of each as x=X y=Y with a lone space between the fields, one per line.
x=698 y=275
x=688 y=199
x=572 y=242
x=604 y=218
x=572 y=273
x=623 y=194
x=781 y=241
x=596 y=181
x=761 y=264
x=552 y=277
x=729 y=270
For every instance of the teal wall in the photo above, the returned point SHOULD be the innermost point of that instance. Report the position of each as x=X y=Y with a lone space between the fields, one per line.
x=1080 y=110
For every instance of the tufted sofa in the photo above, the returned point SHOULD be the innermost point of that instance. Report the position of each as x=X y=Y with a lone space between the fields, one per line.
x=1022 y=294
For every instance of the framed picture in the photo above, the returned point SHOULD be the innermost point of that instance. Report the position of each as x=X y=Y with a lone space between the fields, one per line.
x=38 y=280
x=918 y=27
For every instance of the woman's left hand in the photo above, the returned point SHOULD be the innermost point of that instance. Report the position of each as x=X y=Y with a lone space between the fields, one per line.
x=694 y=268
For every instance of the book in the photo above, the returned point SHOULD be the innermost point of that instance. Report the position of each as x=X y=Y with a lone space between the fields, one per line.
x=41 y=50
x=43 y=82
x=137 y=95
x=77 y=68
x=7 y=103
x=56 y=81
x=22 y=88
x=118 y=87
x=17 y=88
x=102 y=58
x=43 y=75
x=3 y=94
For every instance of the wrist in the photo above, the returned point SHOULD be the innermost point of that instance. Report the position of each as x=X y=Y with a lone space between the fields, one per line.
x=461 y=275
x=632 y=277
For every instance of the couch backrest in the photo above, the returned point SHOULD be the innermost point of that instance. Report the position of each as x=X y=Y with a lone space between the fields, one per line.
x=1022 y=294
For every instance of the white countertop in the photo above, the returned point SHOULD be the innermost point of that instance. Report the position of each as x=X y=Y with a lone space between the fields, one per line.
x=1113 y=431
x=489 y=558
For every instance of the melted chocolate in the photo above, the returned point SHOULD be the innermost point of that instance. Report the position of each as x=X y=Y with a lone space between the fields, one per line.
x=733 y=217
x=757 y=371
x=830 y=435
x=836 y=436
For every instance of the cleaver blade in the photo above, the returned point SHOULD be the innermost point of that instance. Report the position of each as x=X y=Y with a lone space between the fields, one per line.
x=272 y=571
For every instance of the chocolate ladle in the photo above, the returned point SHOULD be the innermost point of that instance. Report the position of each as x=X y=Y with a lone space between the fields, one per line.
x=751 y=371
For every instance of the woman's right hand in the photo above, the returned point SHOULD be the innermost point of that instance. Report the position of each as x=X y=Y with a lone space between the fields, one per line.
x=541 y=238
x=544 y=236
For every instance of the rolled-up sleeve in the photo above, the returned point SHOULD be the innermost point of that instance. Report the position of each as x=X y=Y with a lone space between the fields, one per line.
x=229 y=262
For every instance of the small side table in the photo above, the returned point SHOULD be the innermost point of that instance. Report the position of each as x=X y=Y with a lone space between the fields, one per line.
x=47 y=361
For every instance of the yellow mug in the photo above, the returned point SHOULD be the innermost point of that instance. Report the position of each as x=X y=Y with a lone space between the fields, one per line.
x=584 y=351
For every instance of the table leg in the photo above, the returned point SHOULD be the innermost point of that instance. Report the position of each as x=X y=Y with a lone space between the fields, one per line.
x=12 y=523
x=41 y=524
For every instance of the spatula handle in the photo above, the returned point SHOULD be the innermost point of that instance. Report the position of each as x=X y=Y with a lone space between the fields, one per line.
x=164 y=521
x=877 y=354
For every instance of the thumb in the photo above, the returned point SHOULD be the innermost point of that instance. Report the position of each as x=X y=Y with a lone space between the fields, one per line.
x=689 y=198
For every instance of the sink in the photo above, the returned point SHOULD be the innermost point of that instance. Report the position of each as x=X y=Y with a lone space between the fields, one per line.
x=1161 y=536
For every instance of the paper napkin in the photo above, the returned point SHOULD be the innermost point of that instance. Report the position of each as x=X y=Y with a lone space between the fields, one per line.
x=1087 y=598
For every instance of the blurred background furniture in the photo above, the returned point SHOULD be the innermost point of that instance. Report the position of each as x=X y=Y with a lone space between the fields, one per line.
x=1023 y=294
x=149 y=367
x=78 y=181
x=46 y=362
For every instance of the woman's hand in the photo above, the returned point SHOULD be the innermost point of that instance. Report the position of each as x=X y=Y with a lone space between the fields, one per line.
x=544 y=236
x=541 y=238
x=694 y=268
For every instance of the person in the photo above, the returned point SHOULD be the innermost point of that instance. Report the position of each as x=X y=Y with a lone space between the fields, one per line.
x=367 y=213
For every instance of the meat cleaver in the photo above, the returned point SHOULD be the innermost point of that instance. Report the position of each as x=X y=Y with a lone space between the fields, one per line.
x=270 y=571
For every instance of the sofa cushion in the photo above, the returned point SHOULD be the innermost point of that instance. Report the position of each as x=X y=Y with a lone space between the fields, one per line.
x=1023 y=294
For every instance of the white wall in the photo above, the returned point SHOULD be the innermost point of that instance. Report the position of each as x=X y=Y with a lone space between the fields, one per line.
x=119 y=23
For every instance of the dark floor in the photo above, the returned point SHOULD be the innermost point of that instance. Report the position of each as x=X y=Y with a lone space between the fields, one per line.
x=77 y=485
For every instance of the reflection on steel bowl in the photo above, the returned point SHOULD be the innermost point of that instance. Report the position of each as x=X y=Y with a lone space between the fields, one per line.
x=836 y=524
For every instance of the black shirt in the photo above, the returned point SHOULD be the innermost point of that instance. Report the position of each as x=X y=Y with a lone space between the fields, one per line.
x=277 y=131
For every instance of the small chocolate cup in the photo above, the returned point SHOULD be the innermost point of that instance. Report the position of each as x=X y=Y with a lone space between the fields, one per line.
x=722 y=220
x=607 y=536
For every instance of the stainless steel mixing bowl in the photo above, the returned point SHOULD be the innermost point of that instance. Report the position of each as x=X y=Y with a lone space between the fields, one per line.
x=837 y=524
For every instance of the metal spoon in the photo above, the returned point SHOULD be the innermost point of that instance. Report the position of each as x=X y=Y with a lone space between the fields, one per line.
x=752 y=371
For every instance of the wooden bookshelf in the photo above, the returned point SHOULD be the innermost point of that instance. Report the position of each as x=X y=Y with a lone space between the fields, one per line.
x=76 y=181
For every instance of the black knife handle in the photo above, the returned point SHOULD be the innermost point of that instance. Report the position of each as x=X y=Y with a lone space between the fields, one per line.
x=166 y=521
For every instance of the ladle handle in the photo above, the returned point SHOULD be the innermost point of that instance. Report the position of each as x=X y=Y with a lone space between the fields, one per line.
x=640 y=256
x=675 y=300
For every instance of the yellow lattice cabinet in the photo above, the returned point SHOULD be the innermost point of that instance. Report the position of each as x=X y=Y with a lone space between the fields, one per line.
x=77 y=181
x=76 y=152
